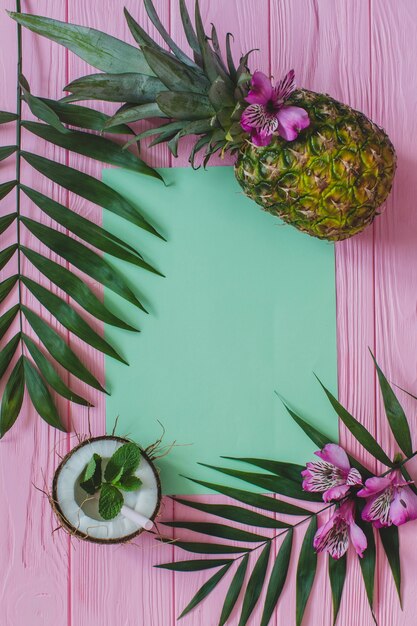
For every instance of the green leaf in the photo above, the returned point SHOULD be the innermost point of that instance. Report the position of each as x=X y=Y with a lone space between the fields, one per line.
x=110 y=502
x=189 y=30
x=391 y=543
x=234 y=591
x=125 y=460
x=255 y=584
x=50 y=375
x=395 y=413
x=337 y=575
x=195 y=565
x=12 y=398
x=359 y=431
x=84 y=117
x=83 y=258
x=408 y=478
x=6 y=319
x=368 y=561
x=88 y=231
x=129 y=483
x=75 y=288
x=135 y=114
x=209 y=64
x=90 y=479
x=6 y=220
x=59 y=350
x=173 y=74
x=206 y=589
x=41 y=110
x=280 y=468
x=6 y=117
x=70 y=319
x=7 y=353
x=234 y=513
x=208 y=548
x=132 y=88
x=7 y=151
x=102 y=51
x=92 y=146
x=164 y=133
x=153 y=16
x=6 y=286
x=277 y=579
x=270 y=483
x=89 y=188
x=218 y=530
x=193 y=128
x=6 y=255
x=229 y=55
x=6 y=188
x=254 y=499
x=185 y=106
x=306 y=570
x=40 y=396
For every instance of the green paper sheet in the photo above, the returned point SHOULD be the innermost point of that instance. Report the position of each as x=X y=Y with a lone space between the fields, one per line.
x=247 y=307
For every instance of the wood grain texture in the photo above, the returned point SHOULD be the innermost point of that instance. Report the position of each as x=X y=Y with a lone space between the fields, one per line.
x=359 y=51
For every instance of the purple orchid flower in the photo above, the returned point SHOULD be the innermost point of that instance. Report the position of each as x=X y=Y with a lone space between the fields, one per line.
x=335 y=536
x=332 y=475
x=389 y=500
x=268 y=115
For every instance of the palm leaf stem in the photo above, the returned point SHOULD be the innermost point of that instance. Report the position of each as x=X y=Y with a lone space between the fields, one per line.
x=18 y=164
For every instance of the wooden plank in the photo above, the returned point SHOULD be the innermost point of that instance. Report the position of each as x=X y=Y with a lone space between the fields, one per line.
x=114 y=585
x=394 y=85
x=34 y=563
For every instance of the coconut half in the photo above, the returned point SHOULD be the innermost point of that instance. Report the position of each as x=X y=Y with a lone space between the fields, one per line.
x=78 y=512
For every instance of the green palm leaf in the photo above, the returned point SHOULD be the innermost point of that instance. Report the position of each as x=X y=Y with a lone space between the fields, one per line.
x=391 y=543
x=40 y=396
x=84 y=117
x=234 y=590
x=255 y=585
x=6 y=220
x=7 y=151
x=217 y=530
x=306 y=571
x=206 y=589
x=194 y=565
x=6 y=117
x=12 y=398
x=7 y=353
x=6 y=286
x=337 y=575
x=278 y=578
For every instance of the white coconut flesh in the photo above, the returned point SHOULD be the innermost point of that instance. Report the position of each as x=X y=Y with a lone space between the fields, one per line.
x=81 y=510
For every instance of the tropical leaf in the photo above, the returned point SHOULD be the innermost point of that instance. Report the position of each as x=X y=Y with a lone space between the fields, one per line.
x=185 y=106
x=6 y=188
x=102 y=51
x=306 y=571
x=234 y=590
x=206 y=589
x=6 y=117
x=391 y=543
x=337 y=575
x=173 y=74
x=12 y=397
x=207 y=548
x=84 y=117
x=280 y=468
x=6 y=286
x=359 y=431
x=194 y=565
x=6 y=220
x=40 y=396
x=189 y=32
x=255 y=585
x=254 y=499
x=277 y=579
x=41 y=110
x=126 y=87
x=218 y=530
x=368 y=562
x=395 y=413
x=8 y=352
x=135 y=114
x=7 y=151
x=235 y=514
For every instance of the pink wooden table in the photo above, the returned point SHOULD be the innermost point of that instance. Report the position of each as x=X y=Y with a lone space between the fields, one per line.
x=360 y=51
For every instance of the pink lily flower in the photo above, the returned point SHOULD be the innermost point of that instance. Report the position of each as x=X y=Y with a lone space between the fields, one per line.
x=389 y=500
x=332 y=475
x=341 y=529
x=268 y=115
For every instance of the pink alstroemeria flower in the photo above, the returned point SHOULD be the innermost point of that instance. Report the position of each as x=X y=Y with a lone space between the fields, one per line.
x=334 y=537
x=332 y=475
x=268 y=114
x=389 y=500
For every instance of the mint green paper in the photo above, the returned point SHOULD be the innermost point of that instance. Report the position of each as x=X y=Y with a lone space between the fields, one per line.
x=247 y=307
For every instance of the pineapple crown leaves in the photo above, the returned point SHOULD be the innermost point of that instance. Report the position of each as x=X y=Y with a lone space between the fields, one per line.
x=244 y=555
x=119 y=475
x=32 y=369
x=203 y=95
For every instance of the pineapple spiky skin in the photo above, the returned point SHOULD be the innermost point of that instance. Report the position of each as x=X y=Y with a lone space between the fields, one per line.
x=331 y=180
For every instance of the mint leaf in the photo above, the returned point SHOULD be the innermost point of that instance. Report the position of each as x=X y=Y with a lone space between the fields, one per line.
x=90 y=479
x=129 y=483
x=110 y=503
x=124 y=461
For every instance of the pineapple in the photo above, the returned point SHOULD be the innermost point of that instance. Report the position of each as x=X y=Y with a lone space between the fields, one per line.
x=326 y=173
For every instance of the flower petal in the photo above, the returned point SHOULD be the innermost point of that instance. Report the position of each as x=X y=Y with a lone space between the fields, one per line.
x=284 y=88
x=261 y=89
x=261 y=139
x=334 y=454
x=358 y=539
x=291 y=121
x=336 y=493
x=256 y=117
x=403 y=506
x=378 y=509
x=374 y=486
x=354 y=477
